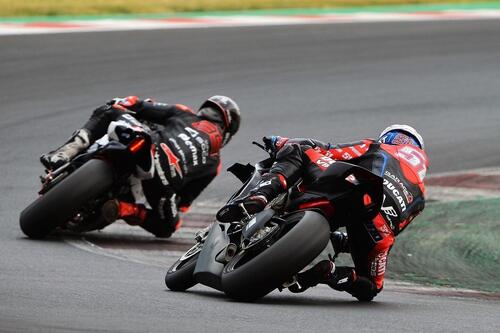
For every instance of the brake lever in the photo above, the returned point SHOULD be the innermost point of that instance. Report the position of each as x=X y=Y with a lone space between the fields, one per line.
x=259 y=145
x=269 y=151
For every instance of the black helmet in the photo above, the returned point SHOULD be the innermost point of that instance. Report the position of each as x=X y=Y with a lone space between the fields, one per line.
x=222 y=110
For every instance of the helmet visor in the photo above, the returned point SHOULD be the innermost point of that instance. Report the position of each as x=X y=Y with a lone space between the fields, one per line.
x=398 y=138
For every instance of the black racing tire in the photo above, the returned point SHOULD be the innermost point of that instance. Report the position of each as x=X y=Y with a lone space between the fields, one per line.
x=180 y=275
x=63 y=201
x=277 y=264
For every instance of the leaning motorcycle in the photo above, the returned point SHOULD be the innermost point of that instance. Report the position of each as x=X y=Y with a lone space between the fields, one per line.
x=72 y=196
x=249 y=258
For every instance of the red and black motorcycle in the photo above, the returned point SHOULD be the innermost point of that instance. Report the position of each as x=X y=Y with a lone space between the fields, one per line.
x=249 y=258
x=73 y=195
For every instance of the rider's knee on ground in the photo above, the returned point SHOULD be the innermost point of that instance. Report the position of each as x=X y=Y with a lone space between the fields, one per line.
x=158 y=227
x=364 y=289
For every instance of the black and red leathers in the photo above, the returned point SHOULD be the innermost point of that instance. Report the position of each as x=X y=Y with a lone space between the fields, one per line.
x=403 y=169
x=186 y=156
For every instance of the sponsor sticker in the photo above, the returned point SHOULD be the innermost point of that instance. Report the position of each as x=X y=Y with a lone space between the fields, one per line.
x=379 y=264
x=194 y=152
x=395 y=194
x=408 y=195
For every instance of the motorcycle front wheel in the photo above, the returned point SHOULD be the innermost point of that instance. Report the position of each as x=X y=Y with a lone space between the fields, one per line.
x=179 y=276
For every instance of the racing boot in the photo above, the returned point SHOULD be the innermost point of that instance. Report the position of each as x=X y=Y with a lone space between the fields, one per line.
x=62 y=155
x=322 y=272
x=161 y=228
x=267 y=189
x=338 y=278
x=131 y=213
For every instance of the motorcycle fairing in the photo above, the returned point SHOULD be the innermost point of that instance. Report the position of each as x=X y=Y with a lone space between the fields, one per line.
x=208 y=271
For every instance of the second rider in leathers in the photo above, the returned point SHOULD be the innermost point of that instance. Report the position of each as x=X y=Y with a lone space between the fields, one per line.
x=186 y=151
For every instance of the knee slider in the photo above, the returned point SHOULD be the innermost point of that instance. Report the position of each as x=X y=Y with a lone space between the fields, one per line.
x=363 y=289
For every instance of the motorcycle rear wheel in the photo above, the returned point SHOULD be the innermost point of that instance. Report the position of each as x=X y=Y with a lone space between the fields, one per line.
x=62 y=202
x=260 y=275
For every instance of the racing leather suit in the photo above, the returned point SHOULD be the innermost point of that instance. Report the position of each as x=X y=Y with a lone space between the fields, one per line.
x=403 y=169
x=186 y=150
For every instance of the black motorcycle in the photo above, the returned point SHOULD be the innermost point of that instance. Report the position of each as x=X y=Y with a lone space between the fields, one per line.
x=248 y=259
x=72 y=196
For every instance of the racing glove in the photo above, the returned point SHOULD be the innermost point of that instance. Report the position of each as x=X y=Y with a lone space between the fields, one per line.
x=129 y=103
x=274 y=143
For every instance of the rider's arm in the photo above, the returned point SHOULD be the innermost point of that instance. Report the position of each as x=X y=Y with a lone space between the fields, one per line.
x=348 y=151
x=149 y=110
x=275 y=143
x=309 y=142
x=290 y=162
x=159 y=112
x=293 y=159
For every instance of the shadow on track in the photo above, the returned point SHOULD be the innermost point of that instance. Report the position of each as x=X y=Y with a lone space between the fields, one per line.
x=299 y=300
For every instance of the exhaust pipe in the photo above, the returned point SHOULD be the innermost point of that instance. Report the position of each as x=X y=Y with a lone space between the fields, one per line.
x=227 y=254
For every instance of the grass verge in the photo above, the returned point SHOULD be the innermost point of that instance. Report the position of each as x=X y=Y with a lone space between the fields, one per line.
x=10 y=8
x=451 y=244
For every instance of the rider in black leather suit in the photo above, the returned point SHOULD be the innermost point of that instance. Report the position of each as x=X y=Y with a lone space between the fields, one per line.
x=186 y=148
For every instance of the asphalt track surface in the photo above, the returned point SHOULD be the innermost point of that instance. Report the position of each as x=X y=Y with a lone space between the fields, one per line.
x=333 y=82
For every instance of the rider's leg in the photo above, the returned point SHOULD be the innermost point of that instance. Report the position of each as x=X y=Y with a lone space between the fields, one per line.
x=79 y=141
x=286 y=170
x=339 y=278
x=132 y=213
x=356 y=280
x=95 y=128
x=163 y=219
x=161 y=225
x=267 y=189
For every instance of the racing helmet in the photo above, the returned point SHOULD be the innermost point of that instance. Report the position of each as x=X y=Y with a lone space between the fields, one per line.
x=222 y=110
x=401 y=135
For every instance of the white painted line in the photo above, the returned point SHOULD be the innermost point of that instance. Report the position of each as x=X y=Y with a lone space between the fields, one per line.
x=87 y=246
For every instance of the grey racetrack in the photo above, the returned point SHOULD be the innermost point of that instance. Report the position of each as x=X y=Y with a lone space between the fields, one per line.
x=332 y=82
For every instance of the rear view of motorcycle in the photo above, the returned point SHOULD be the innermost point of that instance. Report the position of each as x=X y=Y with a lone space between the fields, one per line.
x=249 y=258
x=72 y=196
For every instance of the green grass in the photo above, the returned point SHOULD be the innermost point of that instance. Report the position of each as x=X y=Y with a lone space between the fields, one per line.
x=18 y=8
x=451 y=244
